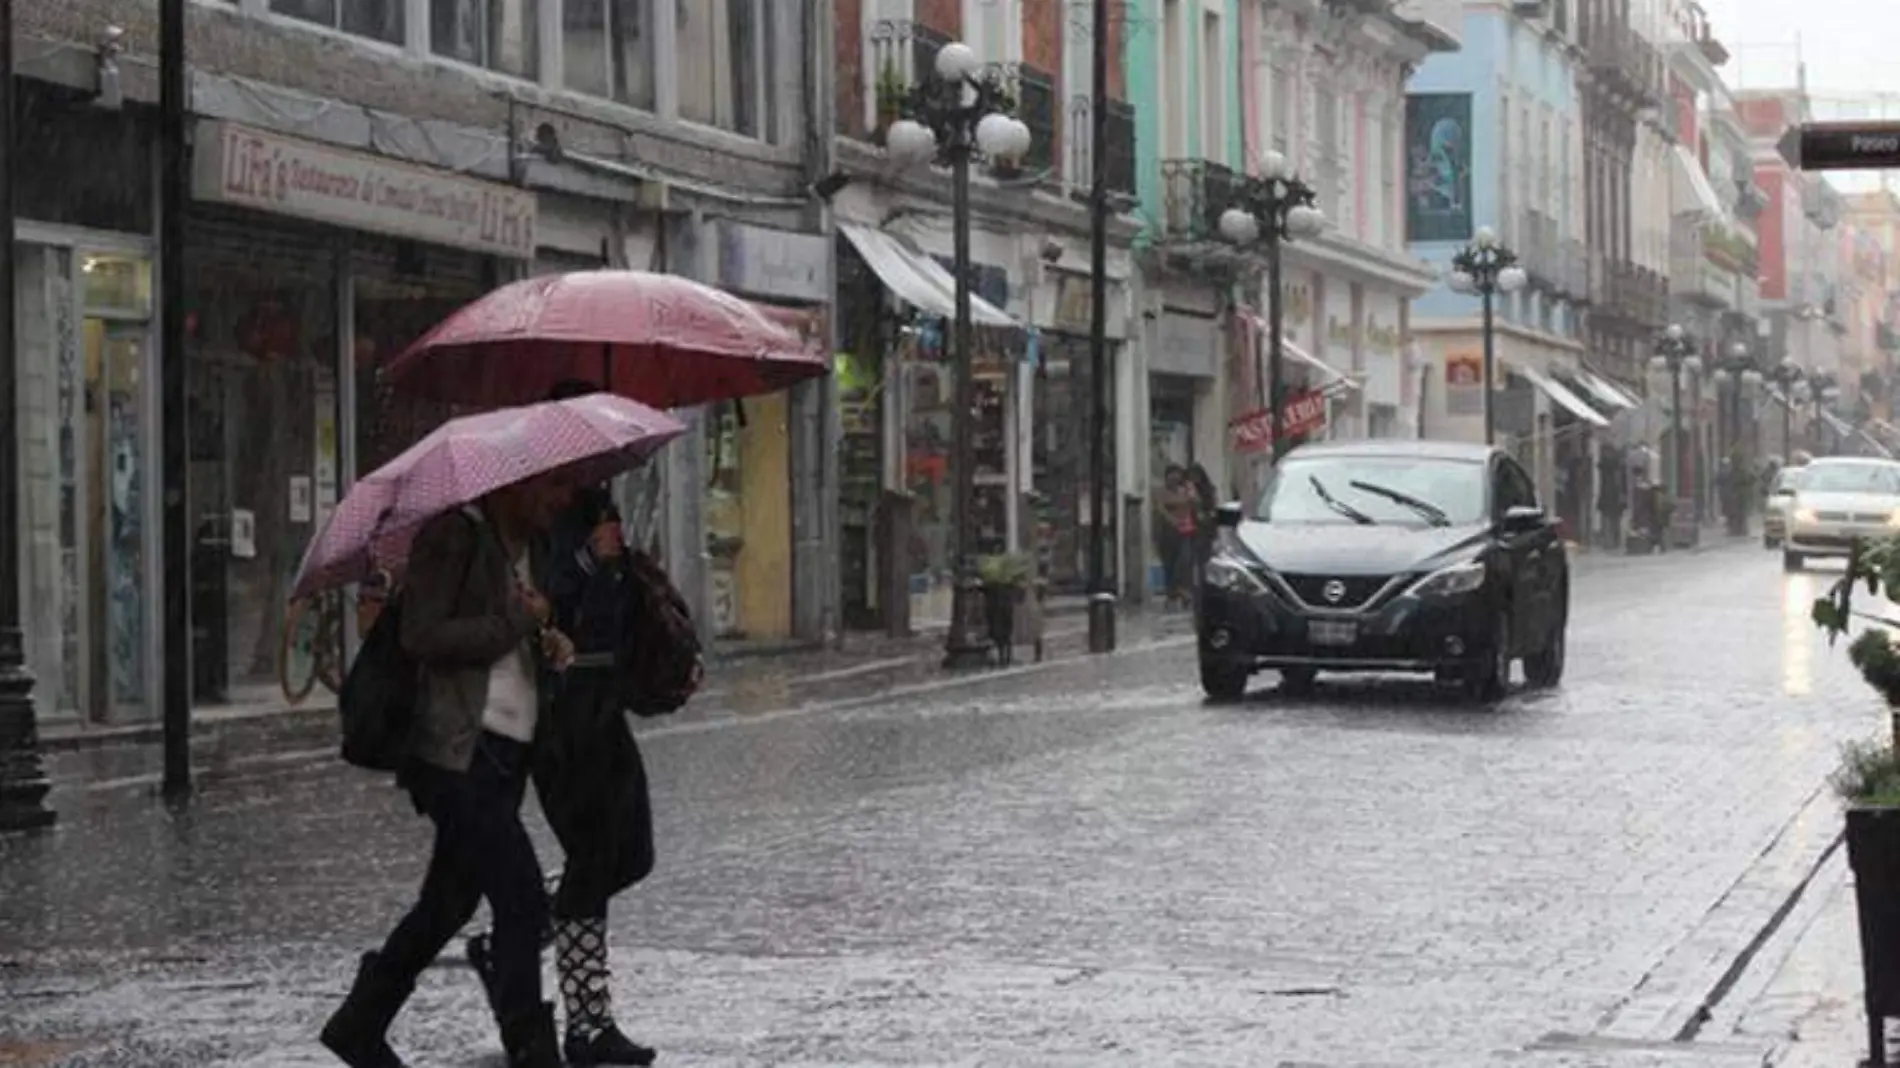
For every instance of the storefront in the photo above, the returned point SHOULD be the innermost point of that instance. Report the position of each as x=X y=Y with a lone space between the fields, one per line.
x=1062 y=413
x=310 y=266
x=1185 y=407
x=750 y=506
x=85 y=397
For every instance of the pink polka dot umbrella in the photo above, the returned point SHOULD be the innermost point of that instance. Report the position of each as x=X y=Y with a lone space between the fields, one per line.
x=589 y=439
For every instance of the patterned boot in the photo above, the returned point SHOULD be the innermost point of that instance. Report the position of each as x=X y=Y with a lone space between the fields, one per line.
x=580 y=954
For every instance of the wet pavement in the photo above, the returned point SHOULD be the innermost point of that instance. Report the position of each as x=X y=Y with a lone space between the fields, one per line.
x=1070 y=863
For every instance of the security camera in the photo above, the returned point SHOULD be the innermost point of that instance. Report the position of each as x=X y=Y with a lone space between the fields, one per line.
x=1051 y=250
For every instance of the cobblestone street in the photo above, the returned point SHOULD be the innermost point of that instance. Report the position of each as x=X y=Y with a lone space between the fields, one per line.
x=1079 y=863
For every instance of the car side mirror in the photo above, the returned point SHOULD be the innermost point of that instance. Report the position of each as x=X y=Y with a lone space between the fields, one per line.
x=1523 y=519
x=1227 y=515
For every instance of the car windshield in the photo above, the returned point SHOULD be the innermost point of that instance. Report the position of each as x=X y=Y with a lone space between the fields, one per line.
x=1374 y=489
x=1790 y=478
x=1851 y=478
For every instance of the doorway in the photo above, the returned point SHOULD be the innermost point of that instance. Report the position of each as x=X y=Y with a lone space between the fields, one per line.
x=111 y=434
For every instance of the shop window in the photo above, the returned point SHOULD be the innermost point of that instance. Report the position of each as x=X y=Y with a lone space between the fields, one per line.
x=608 y=45
x=497 y=34
x=726 y=64
x=377 y=19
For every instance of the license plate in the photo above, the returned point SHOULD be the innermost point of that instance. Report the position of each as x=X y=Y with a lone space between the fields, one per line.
x=1332 y=632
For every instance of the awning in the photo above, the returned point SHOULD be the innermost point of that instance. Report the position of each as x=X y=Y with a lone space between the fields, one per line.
x=1875 y=442
x=1335 y=378
x=1560 y=393
x=918 y=280
x=1839 y=425
x=1607 y=392
x=1692 y=186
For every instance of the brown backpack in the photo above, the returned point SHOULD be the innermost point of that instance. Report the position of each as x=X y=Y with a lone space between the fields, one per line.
x=664 y=667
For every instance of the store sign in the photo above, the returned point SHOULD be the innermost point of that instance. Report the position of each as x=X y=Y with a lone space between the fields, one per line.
x=256 y=169
x=1303 y=413
x=1186 y=345
x=1075 y=306
x=1382 y=363
x=782 y=264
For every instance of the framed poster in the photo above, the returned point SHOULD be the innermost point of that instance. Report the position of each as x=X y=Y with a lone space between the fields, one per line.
x=1438 y=167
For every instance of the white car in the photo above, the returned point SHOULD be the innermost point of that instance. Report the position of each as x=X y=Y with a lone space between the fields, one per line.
x=1841 y=499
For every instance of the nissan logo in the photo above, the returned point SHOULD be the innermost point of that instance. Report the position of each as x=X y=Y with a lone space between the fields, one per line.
x=1334 y=591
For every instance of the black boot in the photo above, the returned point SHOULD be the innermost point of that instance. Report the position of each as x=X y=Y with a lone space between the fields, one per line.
x=580 y=955
x=358 y=1031
x=529 y=1039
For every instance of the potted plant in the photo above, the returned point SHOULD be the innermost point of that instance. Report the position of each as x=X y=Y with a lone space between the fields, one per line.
x=1868 y=781
x=1005 y=577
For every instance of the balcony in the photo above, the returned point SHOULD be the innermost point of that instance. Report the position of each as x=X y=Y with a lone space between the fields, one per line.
x=1036 y=106
x=1628 y=63
x=1194 y=193
x=1121 y=151
x=1121 y=147
x=1694 y=274
x=1576 y=271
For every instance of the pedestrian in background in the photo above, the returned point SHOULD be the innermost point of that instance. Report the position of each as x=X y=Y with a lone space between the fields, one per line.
x=1176 y=506
x=476 y=626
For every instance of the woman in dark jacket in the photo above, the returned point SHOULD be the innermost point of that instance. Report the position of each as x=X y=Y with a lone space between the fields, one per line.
x=587 y=768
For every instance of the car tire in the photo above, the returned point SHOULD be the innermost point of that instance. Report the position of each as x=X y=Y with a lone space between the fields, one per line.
x=1297 y=680
x=1223 y=683
x=1486 y=681
x=1544 y=669
x=1793 y=561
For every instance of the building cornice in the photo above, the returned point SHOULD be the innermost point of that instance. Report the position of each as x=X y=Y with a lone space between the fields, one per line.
x=1345 y=256
x=1473 y=325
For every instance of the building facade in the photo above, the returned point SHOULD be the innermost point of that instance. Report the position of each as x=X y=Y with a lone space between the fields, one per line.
x=361 y=169
x=1031 y=277
x=1495 y=138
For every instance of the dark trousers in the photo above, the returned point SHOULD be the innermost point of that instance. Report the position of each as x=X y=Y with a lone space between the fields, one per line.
x=481 y=851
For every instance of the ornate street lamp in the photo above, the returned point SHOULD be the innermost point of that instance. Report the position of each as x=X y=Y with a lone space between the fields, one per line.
x=1277 y=206
x=1735 y=377
x=1675 y=353
x=1486 y=267
x=23 y=783
x=1786 y=375
x=1825 y=392
x=961 y=115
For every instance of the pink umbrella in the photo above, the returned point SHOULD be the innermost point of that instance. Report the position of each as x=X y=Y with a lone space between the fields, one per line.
x=593 y=437
x=663 y=340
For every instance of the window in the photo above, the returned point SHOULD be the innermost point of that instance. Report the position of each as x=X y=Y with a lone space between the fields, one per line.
x=497 y=34
x=1326 y=136
x=1282 y=108
x=1513 y=488
x=378 y=19
x=1213 y=90
x=726 y=52
x=1174 y=81
x=608 y=49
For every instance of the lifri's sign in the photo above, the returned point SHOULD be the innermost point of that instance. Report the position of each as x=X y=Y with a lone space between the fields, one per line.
x=1303 y=413
x=1841 y=146
x=257 y=169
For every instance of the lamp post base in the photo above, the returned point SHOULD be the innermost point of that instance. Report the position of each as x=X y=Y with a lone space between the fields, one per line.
x=23 y=783
x=1101 y=623
x=965 y=647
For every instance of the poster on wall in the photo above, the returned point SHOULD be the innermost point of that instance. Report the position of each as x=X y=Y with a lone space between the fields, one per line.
x=1438 y=167
x=1464 y=383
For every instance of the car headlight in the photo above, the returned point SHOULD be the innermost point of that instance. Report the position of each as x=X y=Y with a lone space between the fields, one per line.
x=1232 y=573
x=1448 y=581
x=1894 y=519
x=1805 y=515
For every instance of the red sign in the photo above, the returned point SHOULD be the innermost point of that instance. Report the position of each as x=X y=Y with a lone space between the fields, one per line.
x=1303 y=413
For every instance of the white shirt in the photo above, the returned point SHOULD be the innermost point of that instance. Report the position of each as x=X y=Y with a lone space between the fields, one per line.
x=512 y=700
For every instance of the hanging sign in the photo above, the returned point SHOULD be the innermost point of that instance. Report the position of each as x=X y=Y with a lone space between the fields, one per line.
x=1302 y=413
x=1841 y=146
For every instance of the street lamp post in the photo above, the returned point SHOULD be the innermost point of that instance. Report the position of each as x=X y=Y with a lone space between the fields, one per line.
x=1277 y=206
x=1825 y=392
x=1675 y=353
x=959 y=116
x=1486 y=267
x=1734 y=377
x=1785 y=376
x=23 y=783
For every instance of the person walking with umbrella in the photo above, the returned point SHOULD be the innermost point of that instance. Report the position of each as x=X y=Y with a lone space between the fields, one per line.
x=474 y=622
x=587 y=768
x=448 y=688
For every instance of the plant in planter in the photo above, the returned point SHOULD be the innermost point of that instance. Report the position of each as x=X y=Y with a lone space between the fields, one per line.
x=1005 y=578
x=1869 y=782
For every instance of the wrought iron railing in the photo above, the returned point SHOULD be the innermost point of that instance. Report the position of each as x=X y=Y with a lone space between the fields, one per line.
x=1194 y=193
x=1036 y=107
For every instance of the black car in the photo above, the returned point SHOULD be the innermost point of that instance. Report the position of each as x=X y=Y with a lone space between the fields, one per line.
x=1387 y=555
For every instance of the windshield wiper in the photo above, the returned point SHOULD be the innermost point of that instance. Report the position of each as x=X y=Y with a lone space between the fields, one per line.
x=1338 y=505
x=1433 y=514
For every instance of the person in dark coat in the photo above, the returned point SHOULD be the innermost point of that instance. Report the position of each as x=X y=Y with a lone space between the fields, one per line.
x=587 y=770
